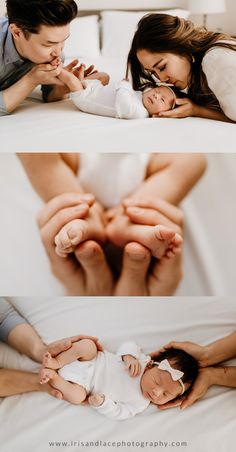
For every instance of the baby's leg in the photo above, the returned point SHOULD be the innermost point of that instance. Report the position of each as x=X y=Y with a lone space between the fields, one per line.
x=83 y=350
x=78 y=231
x=72 y=392
x=160 y=240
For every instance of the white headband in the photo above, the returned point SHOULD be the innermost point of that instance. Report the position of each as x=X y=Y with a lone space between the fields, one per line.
x=175 y=374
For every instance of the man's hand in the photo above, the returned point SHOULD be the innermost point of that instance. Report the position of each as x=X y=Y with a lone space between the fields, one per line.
x=45 y=74
x=64 y=344
x=96 y=399
x=132 y=365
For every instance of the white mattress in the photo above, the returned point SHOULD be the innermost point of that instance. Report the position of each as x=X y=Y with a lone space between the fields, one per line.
x=59 y=126
x=29 y=422
x=209 y=250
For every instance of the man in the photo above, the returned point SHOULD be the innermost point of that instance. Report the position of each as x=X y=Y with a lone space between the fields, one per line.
x=17 y=333
x=31 y=42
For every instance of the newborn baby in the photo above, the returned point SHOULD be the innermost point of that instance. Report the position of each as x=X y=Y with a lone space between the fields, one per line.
x=117 y=100
x=119 y=385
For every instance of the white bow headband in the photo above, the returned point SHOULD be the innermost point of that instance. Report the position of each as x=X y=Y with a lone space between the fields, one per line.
x=175 y=374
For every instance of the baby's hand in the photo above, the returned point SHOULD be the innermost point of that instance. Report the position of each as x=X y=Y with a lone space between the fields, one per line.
x=132 y=365
x=96 y=399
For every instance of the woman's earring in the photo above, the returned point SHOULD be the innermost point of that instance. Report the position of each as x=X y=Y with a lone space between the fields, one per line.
x=193 y=59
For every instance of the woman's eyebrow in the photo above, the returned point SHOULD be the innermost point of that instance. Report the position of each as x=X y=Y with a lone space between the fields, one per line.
x=157 y=62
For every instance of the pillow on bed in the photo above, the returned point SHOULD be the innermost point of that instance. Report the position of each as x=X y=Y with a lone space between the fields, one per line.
x=84 y=38
x=118 y=28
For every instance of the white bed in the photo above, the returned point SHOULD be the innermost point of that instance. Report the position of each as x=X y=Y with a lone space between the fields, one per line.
x=37 y=127
x=29 y=422
x=210 y=246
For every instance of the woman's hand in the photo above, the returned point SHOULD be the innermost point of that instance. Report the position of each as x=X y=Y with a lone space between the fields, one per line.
x=199 y=352
x=136 y=278
x=197 y=391
x=184 y=109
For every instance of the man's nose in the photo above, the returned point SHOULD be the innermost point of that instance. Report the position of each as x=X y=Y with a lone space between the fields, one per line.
x=57 y=51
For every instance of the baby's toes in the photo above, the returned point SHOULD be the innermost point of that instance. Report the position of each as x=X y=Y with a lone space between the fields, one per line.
x=62 y=240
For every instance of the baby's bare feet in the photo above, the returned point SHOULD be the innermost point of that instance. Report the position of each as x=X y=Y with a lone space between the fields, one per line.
x=160 y=240
x=45 y=375
x=81 y=230
x=49 y=361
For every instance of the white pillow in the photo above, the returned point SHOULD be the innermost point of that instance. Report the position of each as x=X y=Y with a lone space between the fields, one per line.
x=84 y=38
x=118 y=28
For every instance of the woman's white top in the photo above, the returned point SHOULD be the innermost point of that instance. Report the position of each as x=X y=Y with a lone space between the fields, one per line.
x=219 y=66
x=112 y=176
x=107 y=374
x=117 y=100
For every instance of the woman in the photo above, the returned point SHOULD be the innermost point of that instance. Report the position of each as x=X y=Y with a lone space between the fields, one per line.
x=200 y=62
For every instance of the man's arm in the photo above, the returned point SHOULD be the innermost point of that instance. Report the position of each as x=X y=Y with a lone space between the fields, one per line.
x=171 y=176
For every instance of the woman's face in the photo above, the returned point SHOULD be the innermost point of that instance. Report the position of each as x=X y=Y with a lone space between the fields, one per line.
x=158 y=386
x=167 y=67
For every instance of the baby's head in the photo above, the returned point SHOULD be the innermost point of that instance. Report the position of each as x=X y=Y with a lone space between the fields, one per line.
x=168 y=376
x=158 y=98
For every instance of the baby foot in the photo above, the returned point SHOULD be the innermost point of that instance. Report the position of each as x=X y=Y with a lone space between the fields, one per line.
x=80 y=230
x=49 y=361
x=160 y=240
x=45 y=375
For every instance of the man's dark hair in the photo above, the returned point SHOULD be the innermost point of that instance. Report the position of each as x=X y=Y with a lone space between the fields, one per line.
x=29 y=15
x=182 y=361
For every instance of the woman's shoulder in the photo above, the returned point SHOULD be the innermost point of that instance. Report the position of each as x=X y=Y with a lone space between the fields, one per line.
x=219 y=55
x=221 y=51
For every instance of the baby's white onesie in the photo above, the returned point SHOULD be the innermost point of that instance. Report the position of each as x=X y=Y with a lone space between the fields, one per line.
x=107 y=374
x=117 y=100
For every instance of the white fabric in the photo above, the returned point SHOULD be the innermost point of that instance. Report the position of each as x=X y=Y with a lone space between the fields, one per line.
x=30 y=421
x=219 y=66
x=114 y=100
x=112 y=177
x=106 y=374
x=84 y=38
x=118 y=28
x=209 y=245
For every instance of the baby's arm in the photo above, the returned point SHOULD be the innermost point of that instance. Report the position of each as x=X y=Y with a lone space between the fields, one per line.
x=171 y=176
x=52 y=174
x=111 y=409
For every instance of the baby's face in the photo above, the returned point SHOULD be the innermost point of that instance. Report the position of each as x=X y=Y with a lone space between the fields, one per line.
x=158 y=99
x=158 y=386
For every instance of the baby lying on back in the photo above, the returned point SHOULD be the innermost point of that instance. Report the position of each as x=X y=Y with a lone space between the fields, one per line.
x=117 y=100
x=119 y=385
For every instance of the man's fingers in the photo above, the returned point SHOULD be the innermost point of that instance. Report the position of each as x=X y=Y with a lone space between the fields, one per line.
x=59 y=346
x=97 y=274
x=63 y=201
x=159 y=282
x=136 y=260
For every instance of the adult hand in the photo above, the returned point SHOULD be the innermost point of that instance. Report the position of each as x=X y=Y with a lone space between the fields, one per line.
x=199 y=352
x=197 y=391
x=136 y=277
x=86 y=271
x=45 y=74
x=185 y=108
x=64 y=344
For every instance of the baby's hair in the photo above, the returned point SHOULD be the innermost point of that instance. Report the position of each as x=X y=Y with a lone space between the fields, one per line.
x=182 y=361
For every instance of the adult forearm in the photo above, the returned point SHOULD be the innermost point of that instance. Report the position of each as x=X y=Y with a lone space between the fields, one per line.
x=221 y=350
x=204 y=112
x=25 y=339
x=223 y=376
x=13 y=382
x=171 y=176
x=15 y=94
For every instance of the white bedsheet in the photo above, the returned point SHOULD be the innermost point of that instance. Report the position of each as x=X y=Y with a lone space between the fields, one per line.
x=59 y=126
x=209 y=251
x=29 y=422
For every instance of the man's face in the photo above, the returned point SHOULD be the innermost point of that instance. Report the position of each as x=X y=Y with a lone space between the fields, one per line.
x=42 y=47
x=158 y=386
x=158 y=99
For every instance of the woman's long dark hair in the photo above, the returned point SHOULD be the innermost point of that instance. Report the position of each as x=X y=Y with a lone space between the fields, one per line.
x=165 y=33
